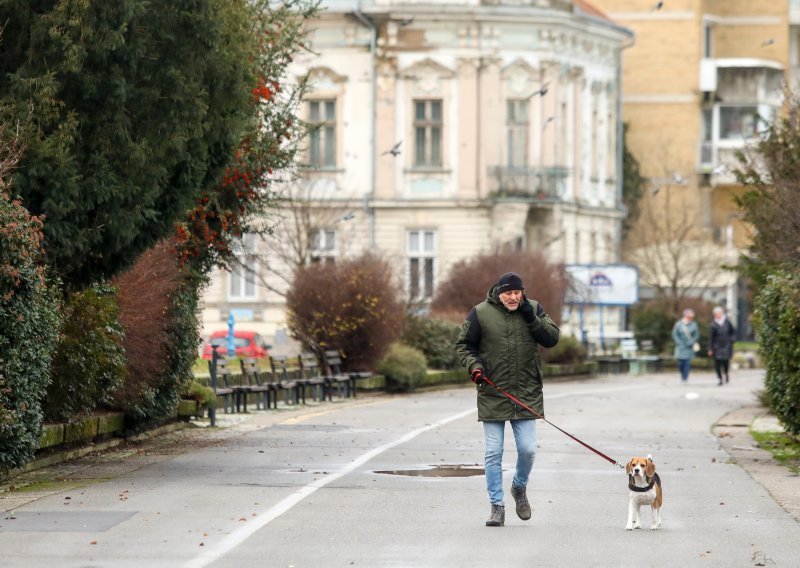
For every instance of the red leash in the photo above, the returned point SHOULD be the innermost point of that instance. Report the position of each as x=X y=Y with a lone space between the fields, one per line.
x=532 y=411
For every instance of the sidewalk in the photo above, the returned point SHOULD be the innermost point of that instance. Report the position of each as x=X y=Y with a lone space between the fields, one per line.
x=733 y=433
x=131 y=455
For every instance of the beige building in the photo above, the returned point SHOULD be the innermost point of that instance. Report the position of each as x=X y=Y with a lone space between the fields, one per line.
x=696 y=86
x=447 y=129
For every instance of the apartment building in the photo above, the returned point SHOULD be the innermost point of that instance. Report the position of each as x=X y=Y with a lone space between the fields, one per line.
x=446 y=129
x=697 y=85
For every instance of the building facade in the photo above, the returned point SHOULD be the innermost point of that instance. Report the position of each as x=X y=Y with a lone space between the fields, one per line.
x=447 y=129
x=698 y=85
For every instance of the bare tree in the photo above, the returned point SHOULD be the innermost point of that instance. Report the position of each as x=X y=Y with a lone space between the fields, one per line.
x=675 y=257
x=295 y=235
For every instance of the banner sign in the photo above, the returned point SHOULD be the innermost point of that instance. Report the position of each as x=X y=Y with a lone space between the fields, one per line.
x=603 y=284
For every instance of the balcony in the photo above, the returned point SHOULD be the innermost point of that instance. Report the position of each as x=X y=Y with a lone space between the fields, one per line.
x=546 y=185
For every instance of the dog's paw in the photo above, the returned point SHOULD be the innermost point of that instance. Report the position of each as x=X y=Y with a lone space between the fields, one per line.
x=629 y=528
x=654 y=528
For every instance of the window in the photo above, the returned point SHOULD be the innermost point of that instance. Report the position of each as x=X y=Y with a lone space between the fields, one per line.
x=737 y=122
x=421 y=263
x=323 y=246
x=322 y=138
x=242 y=280
x=428 y=133
x=517 y=132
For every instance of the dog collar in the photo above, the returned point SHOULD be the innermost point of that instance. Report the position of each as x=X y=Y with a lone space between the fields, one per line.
x=650 y=485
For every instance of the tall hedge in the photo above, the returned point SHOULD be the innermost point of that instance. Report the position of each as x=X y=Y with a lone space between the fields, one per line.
x=158 y=301
x=89 y=364
x=29 y=326
x=778 y=324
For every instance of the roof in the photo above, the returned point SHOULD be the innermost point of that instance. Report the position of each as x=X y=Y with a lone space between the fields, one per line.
x=591 y=10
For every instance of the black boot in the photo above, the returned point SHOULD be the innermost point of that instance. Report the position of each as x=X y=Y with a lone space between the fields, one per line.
x=497 y=518
x=523 y=507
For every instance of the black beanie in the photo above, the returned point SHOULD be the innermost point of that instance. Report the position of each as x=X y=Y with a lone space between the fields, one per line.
x=509 y=281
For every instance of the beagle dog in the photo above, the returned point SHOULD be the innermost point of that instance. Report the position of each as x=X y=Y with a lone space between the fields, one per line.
x=645 y=489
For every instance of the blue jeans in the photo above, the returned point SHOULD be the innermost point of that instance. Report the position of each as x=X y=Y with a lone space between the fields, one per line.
x=525 y=439
x=684 y=365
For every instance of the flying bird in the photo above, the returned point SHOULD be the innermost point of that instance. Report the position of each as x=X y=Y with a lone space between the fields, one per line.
x=658 y=6
x=548 y=121
x=395 y=151
x=541 y=92
x=406 y=21
x=767 y=42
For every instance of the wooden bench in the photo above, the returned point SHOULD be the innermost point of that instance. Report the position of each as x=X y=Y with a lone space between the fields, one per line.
x=252 y=377
x=334 y=376
x=334 y=360
x=224 y=392
x=280 y=374
x=240 y=392
x=310 y=376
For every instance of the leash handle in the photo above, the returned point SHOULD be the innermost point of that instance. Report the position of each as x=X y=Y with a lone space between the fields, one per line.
x=532 y=411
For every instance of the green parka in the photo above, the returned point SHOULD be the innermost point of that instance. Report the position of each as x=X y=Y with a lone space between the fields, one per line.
x=506 y=347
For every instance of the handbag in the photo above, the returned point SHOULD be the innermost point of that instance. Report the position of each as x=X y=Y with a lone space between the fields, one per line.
x=695 y=345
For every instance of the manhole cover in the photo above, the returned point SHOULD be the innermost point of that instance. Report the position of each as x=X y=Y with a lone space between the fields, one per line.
x=453 y=470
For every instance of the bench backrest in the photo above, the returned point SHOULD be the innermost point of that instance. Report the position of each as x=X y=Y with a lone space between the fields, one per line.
x=333 y=360
x=280 y=367
x=250 y=372
x=309 y=368
x=223 y=371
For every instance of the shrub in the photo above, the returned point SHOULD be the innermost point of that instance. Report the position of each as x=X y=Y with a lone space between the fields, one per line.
x=470 y=280
x=352 y=306
x=568 y=351
x=201 y=393
x=651 y=321
x=435 y=338
x=654 y=320
x=403 y=366
x=777 y=320
x=29 y=325
x=89 y=364
x=158 y=310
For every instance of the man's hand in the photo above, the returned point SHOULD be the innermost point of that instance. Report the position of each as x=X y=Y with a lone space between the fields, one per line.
x=478 y=377
x=526 y=309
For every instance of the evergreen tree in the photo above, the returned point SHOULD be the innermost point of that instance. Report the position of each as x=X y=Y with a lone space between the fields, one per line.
x=128 y=110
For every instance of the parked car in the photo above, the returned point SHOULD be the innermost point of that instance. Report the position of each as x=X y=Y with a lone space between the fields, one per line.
x=246 y=344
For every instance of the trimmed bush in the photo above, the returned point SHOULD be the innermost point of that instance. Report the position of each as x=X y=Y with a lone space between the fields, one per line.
x=89 y=364
x=404 y=367
x=435 y=338
x=777 y=320
x=29 y=325
x=351 y=306
x=158 y=310
x=567 y=352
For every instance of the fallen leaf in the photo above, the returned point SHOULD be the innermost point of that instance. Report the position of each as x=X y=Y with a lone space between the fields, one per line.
x=93 y=542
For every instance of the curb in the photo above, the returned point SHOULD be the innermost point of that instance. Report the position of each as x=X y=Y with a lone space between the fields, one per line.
x=733 y=434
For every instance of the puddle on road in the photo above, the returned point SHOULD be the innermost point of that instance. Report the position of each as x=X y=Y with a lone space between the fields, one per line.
x=444 y=470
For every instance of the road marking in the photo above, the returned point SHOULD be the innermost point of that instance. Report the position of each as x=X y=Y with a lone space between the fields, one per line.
x=241 y=534
x=299 y=419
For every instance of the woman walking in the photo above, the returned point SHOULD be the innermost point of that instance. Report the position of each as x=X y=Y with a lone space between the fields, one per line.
x=720 y=344
x=686 y=336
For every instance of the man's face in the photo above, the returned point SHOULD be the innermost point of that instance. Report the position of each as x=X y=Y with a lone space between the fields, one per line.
x=511 y=299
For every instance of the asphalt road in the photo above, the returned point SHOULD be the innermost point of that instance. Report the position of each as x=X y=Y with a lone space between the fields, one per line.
x=303 y=489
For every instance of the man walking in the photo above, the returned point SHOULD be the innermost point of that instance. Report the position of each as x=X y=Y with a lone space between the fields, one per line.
x=500 y=341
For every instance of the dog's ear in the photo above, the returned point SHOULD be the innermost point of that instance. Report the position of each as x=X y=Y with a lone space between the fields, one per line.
x=650 y=470
x=629 y=467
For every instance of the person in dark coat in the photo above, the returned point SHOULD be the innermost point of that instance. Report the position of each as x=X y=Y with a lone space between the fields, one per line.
x=720 y=344
x=500 y=341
